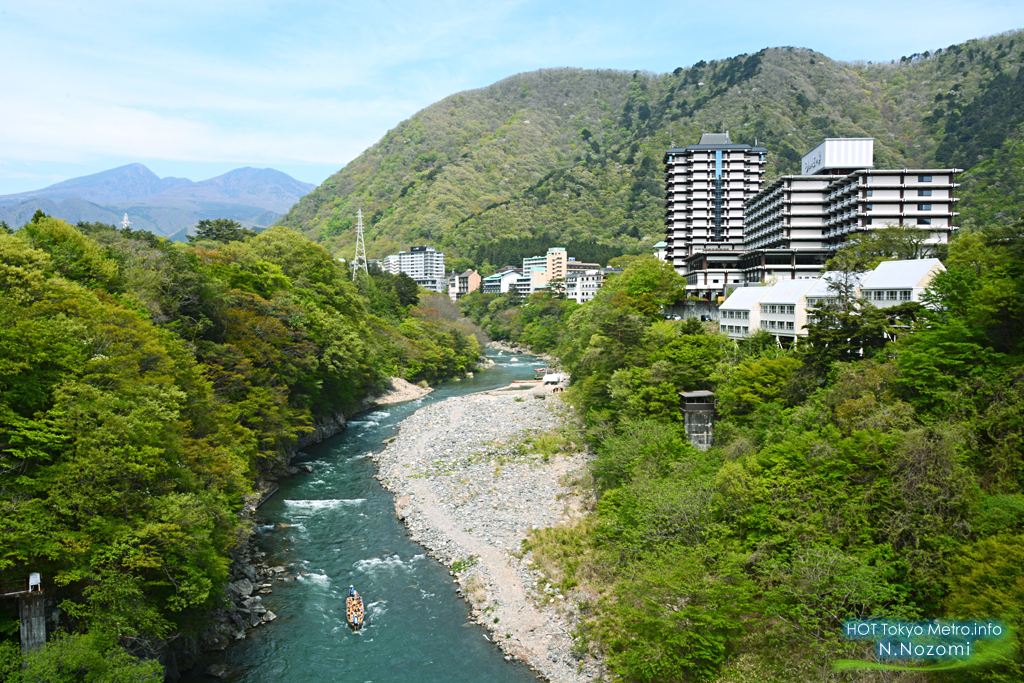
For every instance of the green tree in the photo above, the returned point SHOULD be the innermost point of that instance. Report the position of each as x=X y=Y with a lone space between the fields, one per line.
x=894 y=242
x=220 y=230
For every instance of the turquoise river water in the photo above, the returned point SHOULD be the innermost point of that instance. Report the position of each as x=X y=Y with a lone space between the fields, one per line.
x=343 y=531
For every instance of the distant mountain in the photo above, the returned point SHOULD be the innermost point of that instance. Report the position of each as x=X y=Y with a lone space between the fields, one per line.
x=122 y=184
x=263 y=187
x=569 y=156
x=255 y=197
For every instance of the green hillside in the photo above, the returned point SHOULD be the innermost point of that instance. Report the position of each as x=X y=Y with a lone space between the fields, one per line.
x=573 y=156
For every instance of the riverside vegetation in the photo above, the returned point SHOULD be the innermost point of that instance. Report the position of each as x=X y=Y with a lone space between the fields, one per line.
x=572 y=157
x=840 y=485
x=144 y=386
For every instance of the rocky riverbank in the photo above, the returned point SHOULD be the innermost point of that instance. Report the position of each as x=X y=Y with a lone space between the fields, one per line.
x=469 y=489
x=398 y=391
x=516 y=349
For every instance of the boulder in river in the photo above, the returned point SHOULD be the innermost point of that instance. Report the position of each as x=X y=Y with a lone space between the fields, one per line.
x=254 y=605
x=242 y=588
x=217 y=670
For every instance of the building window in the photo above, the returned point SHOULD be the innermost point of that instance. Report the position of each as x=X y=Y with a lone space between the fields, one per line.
x=764 y=324
x=891 y=295
x=771 y=324
x=879 y=295
x=924 y=178
x=924 y=221
x=924 y=207
x=924 y=193
x=789 y=326
x=870 y=193
x=791 y=310
x=869 y=207
x=745 y=331
x=905 y=295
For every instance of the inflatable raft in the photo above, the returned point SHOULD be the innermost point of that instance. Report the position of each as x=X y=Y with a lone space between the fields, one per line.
x=355 y=615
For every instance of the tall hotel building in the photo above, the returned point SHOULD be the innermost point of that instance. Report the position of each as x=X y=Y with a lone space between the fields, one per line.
x=797 y=222
x=425 y=265
x=705 y=187
x=724 y=229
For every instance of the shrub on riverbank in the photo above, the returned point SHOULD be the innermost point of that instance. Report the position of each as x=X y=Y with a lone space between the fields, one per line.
x=874 y=487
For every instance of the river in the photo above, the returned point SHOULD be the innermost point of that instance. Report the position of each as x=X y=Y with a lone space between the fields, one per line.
x=343 y=531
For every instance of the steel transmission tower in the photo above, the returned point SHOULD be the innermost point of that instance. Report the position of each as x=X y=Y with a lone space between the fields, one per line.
x=359 y=263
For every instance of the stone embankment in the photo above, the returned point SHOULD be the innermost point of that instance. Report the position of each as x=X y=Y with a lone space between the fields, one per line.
x=469 y=490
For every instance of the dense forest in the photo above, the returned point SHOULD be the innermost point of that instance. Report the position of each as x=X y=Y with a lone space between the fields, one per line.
x=875 y=469
x=145 y=386
x=571 y=156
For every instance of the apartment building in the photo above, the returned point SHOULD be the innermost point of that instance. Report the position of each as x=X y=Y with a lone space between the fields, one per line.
x=783 y=308
x=582 y=286
x=501 y=281
x=706 y=185
x=461 y=284
x=554 y=265
x=423 y=264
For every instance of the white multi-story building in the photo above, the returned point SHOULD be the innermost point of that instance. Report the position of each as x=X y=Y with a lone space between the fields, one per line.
x=785 y=308
x=499 y=282
x=871 y=199
x=897 y=282
x=522 y=284
x=706 y=186
x=740 y=315
x=797 y=222
x=582 y=286
x=712 y=272
x=425 y=265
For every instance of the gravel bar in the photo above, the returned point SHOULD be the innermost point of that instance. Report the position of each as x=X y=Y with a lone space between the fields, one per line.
x=469 y=491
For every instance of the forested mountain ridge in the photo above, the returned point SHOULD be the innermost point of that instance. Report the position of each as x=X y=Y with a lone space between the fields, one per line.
x=575 y=155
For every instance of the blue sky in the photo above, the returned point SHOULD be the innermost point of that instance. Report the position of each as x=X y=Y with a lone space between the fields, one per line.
x=195 y=89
